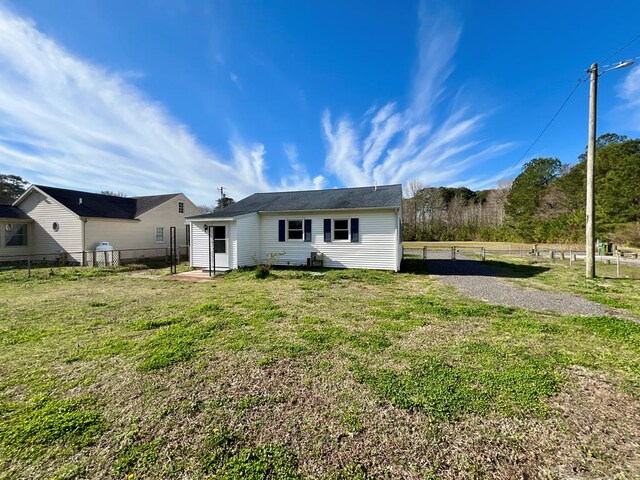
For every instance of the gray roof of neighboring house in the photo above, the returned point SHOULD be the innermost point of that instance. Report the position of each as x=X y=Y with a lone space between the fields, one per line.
x=385 y=196
x=9 y=211
x=104 y=206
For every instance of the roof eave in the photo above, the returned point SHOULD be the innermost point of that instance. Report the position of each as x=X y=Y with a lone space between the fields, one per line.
x=389 y=207
x=210 y=219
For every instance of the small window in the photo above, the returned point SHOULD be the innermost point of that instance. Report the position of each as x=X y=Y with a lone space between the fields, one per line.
x=180 y=207
x=220 y=239
x=341 y=229
x=188 y=234
x=295 y=229
x=55 y=226
x=16 y=236
x=159 y=234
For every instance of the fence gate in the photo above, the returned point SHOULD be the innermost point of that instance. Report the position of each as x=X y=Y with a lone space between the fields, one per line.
x=173 y=254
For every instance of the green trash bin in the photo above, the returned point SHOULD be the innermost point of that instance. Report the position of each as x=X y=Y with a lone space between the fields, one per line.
x=605 y=248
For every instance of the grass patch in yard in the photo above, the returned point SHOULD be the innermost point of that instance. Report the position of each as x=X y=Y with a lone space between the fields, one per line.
x=483 y=379
x=136 y=457
x=26 y=429
x=227 y=458
x=619 y=330
x=174 y=345
x=154 y=323
x=335 y=374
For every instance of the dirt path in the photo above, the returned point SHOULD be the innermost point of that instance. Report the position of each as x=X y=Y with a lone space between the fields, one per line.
x=480 y=280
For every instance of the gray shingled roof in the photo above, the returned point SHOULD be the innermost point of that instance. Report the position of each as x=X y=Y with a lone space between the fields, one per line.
x=9 y=211
x=144 y=204
x=385 y=196
x=104 y=206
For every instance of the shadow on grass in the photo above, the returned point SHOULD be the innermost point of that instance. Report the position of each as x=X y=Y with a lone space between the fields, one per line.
x=471 y=267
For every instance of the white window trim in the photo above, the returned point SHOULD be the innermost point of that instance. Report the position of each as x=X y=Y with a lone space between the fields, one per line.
x=155 y=234
x=302 y=230
x=333 y=230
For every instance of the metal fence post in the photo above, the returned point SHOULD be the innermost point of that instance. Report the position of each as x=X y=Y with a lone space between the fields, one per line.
x=618 y=264
x=483 y=253
x=570 y=258
x=424 y=252
x=29 y=267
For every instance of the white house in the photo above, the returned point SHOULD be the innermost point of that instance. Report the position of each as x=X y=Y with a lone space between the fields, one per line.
x=48 y=220
x=350 y=227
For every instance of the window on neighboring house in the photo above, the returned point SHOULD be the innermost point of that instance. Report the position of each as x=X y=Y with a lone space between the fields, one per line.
x=180 y=207
x=159 y=234
x=341 y=229
x=188 y=234
x=16 y=235
x=295 y=229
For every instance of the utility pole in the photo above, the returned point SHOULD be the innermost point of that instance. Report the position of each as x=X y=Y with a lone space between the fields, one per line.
x=222 y=197
x=590 y=258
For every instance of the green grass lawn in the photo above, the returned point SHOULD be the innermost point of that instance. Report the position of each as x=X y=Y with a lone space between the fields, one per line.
x=348 y=374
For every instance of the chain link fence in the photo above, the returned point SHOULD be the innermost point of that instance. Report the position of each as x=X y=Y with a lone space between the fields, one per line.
x=159 y=257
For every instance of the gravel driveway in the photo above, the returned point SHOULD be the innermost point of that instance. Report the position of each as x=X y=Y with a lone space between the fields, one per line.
x=480 y=280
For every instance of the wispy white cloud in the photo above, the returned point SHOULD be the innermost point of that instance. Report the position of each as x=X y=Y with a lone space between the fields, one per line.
x=630 y=93
x=299 y=178
x=68 y=122
x=389 y=144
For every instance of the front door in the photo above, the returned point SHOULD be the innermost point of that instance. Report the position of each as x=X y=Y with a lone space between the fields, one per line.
x=219 y=247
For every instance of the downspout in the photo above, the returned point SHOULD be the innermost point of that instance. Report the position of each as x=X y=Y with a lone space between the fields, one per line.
x=84 y=226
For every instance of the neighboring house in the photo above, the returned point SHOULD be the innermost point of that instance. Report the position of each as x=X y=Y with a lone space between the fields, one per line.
x=351 y=227
x=72 y=221
x=15 y=227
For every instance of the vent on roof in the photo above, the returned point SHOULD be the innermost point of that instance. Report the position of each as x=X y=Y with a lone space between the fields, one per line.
x=80 y=201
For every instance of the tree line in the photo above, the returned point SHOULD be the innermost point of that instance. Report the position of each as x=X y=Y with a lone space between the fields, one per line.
x=544 y=203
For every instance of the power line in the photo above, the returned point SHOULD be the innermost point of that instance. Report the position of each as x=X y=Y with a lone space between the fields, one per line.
x=566 y=100
x=546 y=127
x=622 y=48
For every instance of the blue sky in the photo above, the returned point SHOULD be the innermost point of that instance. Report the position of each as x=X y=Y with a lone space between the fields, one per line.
x=187 y=95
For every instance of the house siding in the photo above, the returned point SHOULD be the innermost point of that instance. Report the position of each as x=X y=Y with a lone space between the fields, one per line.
x=140 y=234
x=248 y=232
x=200 y=246
x=44 y=240
x=377 y=248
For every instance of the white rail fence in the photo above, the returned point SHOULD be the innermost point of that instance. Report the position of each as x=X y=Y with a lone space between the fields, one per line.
x=552 y=255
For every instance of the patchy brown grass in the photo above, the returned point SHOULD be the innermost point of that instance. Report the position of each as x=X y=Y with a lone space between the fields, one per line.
x=265 y=377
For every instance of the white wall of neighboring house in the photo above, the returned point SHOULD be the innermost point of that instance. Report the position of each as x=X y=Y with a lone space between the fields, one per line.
x=141 y=232
x=377 y=248
x=44 y=238
x=5 y=235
